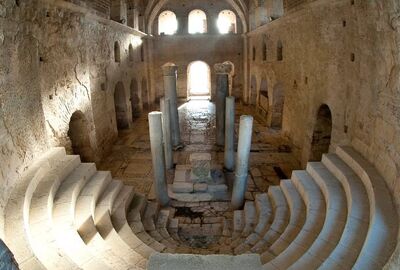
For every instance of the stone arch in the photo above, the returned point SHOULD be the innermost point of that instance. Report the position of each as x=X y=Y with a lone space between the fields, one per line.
x=253 y=90
x=144 y=94
x=198 y=79
x=79 y=134
x=321 y=138
x=117 y=52
x=121 y=109
x=135 y=100
x=277 y=103
x=167 y=23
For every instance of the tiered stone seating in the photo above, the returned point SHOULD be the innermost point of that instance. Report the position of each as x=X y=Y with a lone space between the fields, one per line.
x=336 y=214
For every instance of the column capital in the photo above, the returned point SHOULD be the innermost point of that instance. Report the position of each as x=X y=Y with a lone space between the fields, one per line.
x=223 y=68
x=169 y=69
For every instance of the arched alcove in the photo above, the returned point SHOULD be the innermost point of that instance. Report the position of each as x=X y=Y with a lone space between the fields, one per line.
x=264 y=99
x=227 y=22
x=276 y=109
x=121 y=110
x=135 y=100
x=321 y=138
x=117 y=52
x=144 y=94
x=253 y=90
x=131 y=53
x=197 y=21
x=199 y=80
x=279 y=51
x=167 y=23
x=78 y=133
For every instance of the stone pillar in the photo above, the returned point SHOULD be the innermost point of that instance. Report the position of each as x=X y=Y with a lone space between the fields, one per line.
x=222 y=88
x=166 y=127
x=170 y=73
x=157 y=154
x=229 y=155
x=242 y=161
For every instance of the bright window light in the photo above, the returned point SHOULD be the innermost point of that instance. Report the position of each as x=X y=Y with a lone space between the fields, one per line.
x=197 y=22
x=226 y=22
x=199 y=83
x=167 y=23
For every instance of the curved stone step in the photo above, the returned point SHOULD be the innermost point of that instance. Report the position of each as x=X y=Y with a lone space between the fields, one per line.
x=14 y=232
x=64 y=208
x=238 y=224
x=38 y=222
x=87 y=202
x=384 y=224
x=250 y=220
x=161 y=227
x=315 y=205
x=102 y=220
x=280 y=220
x=297 y=218
x=121 y=225
x=335 y=219
x=264 y=214
x=355 y=231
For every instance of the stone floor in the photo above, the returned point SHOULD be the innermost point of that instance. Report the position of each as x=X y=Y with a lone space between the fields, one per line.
x=270 y=160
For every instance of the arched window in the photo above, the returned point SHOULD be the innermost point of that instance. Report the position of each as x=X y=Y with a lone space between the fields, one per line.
x=226 y=22
x=117 y=53
x=254 y=54
x=167 y=23
x=197 y=22
x=321 y=139
x=264 y=50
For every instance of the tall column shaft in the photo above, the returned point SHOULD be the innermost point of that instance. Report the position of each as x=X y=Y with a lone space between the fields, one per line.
x=166 y=127
x=242 y=161
x=157 y=154
x=222 y=93
x=170 y=74
x=229 y=155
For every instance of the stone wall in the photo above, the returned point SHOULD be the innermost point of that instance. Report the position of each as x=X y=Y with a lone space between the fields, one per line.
x=58 y=58
x=344 y=54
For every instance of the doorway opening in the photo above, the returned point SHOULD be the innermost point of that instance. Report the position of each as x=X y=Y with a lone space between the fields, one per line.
x=78 y=133
x=321 y=139
x=135 y=101
x=199 y=81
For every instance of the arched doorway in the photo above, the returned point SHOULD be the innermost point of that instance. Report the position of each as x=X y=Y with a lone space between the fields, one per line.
x=78 y=133
x=278 y=99
x=135 y=100
x=121 y=110
x=199 y=80
x=145 y=98
x=321 y=138
x=253 y=90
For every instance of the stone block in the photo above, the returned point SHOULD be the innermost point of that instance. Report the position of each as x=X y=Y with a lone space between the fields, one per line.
x=217 y=188
x=180 y=175
x=200 y=187
x=182 y=187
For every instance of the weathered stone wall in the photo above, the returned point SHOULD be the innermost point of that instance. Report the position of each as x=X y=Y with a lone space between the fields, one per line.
x=346 y=56
x=58 y=58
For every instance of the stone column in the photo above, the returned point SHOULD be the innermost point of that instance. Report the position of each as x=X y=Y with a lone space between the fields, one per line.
x=222 y=88
x=170 y=73
x=166 y=127
x=229 y=155
x=242 y=161
x=157 y=154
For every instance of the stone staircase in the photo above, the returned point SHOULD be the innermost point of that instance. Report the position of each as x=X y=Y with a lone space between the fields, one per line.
x=336 y=214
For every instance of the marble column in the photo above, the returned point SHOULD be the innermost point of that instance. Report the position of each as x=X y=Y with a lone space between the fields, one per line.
x=170 y=74
x=157 y=154
x=166 y=127
x=229 y=154
x=242 y=161
x=222 y=87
